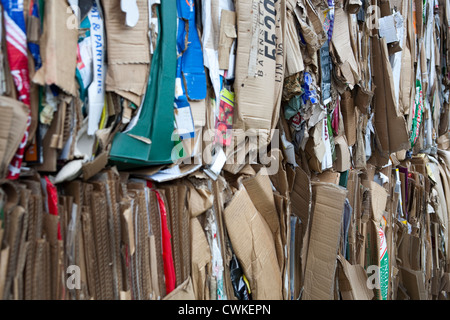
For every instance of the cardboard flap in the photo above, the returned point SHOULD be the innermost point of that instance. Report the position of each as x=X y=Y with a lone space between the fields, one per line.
x=353 y=281
x=363 y=99
x=184 y=291
x=125 y=44
x=414 y=283
x=91 y=168
x=353 y=6
x=230 y=31
x=58 y=48
x=200 y=259
x=349 y=116
x=378 y=200
x=280 y=179
x=226 y=37
x=294 y=59
x=260 y=191
x=199 y=200
x=128 y=49
x=301 y=196
x=329 y=200
x=328 y=176
x=390 y=126
x=254 y=247
x=129 y=77
x=316 y=22
x=13 y=124
x=343 y=157
x=342 y=45
x=259 y=66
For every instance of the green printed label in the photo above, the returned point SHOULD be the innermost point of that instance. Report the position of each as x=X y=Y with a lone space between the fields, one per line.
x=417 y=114
x=384 y=265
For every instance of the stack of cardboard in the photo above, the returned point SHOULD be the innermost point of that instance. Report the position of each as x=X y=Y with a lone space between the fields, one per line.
x=290 y=149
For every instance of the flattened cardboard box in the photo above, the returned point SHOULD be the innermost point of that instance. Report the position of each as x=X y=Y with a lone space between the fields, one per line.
x=301 y=202
x=390 y=126
x=414 y=282
x=347 y=66
x=128 y=51
x=226 y=37
x=325 y=233
x=353 y=281
x=200 y=260
x=254 y=247
x=58 y=48
x=13 y=122
x=260 y=191
x=184 y=291
x=260 y=61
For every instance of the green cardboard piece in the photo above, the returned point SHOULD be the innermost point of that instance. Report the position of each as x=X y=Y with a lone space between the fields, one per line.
x=344 y=179
x=156 y=121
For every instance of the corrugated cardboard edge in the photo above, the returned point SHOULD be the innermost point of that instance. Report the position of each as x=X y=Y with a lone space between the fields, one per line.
x=90 y=169
x=184 y=291
x=354 y=282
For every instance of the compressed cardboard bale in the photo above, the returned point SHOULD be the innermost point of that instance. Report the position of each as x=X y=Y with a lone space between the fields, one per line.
x=276 y=41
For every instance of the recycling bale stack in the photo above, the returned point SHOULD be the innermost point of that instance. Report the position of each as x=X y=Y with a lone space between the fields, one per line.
x=226 y=150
